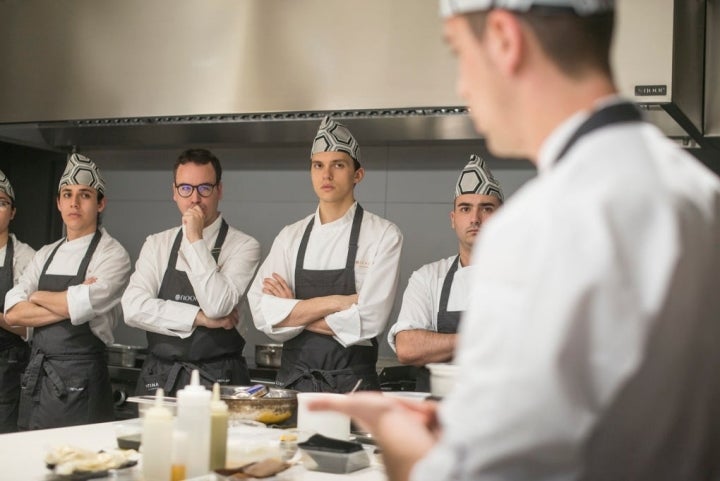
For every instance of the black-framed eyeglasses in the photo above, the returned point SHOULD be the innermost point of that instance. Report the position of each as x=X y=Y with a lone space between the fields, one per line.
x=186 y=190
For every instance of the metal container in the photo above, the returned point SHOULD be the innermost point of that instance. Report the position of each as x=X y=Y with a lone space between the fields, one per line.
x=122 y=355
x=276 y=407
x=268 y=355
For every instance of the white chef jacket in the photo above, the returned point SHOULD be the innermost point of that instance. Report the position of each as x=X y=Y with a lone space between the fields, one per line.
x=376 y=275
x=219 y=287
x=97 y=304
x=23 y=254
x=578 y=267
x=421 y=300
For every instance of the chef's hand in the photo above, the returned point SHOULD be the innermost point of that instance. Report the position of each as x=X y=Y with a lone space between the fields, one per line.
x=369 y=409
x=405 y=430
x=193 y=220
x=226 y=322
x=90 y=280
x=276 y=286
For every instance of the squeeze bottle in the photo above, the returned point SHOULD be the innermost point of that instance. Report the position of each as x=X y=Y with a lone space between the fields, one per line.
x=193 y=418
x=179 y=454
x=157 y=435
x=218 y=430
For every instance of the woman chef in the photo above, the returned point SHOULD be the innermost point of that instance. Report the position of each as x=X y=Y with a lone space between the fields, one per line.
x=70 y=295
x=14 y=351
x=328 y=283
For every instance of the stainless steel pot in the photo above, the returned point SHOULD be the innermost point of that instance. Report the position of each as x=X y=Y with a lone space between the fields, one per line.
x=268 y=355
x=121 y=355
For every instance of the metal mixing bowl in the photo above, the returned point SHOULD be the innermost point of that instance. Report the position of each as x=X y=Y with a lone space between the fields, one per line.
x=276 y=407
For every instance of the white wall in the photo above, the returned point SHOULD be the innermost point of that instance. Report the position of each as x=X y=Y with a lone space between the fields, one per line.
x=267 y=188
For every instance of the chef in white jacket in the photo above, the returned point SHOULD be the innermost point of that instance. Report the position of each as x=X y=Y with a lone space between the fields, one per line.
x=438 y=293
x=188 y=283
x=70 y=295
x=328 y=284
x=589 y=350
x=14 y=350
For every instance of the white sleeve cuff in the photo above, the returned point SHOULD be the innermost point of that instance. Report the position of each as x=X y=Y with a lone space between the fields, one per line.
x=346 y=325
x=79 y=306
x=198 y=257
x=275 y=310
x=14 y=296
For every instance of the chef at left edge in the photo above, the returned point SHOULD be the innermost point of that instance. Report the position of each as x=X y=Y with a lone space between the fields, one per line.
x=14 y=350
x=70 y=296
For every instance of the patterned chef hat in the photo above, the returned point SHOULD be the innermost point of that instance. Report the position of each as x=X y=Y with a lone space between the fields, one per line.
x=476 y=178
x=82 y=171
x=581 y=7
x=6 y=186
x=333 y=136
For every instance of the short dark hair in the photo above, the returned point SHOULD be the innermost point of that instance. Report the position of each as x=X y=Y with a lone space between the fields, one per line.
x=575 y=43
x=200 y=157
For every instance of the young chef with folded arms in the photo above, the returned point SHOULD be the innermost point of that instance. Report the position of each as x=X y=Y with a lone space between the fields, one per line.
x=589 y=348
x=70 y=295
x=188 y=284
x=14 y=351
x=329 y=281
x=438 y=293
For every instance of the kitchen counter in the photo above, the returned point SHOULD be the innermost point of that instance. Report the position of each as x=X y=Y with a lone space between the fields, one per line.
x=22 y=456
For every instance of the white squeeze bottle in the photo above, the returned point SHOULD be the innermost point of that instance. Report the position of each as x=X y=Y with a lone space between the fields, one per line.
x=157 y=441
x=218 y=430
x=193 y=417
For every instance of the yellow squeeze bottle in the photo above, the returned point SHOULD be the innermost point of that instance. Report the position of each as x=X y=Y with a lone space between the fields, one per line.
x=218 y=430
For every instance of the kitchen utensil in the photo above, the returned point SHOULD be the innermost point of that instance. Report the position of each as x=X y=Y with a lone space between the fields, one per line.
x=335 y=456
x=275 y=407
x=357 y=385
x=268 y=355
x=122 y=355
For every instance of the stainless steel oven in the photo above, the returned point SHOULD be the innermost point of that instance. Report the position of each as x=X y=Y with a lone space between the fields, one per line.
x=124 y=364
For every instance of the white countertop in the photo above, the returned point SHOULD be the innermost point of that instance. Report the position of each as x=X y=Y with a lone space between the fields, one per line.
x=22 y=456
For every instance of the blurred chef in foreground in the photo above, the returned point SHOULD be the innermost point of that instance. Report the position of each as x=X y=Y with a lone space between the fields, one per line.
x=589 y=349
x=438 y=293
x=14 y=350
x=70 y=295
x=327 y=286
x=188 y=284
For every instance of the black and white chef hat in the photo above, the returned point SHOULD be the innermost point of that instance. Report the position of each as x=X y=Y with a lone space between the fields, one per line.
x=6 y=186
x=449 y=8
x=333 y=136
x=82 y=171
x=476 y=178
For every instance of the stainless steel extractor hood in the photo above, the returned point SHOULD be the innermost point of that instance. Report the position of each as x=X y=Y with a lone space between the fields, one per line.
x=159 y=73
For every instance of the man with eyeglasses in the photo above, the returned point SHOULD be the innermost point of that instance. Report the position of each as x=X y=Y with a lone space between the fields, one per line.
x=70 y=295
x=14 y=350
x=188 y=284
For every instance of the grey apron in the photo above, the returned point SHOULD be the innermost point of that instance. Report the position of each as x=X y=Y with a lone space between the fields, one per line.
x=316 y=362
x=66 y=382
x=447 y=323
x=215 y=353
x=14 y=353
